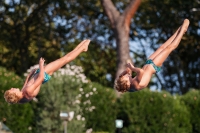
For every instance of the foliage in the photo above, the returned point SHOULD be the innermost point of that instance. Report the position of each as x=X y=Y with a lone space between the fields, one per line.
x=27 y=33
x=19 y=118
x=47 y=28
x=57 y=95
x=146 y=111
x=98 y=103
x=64 y=92
x=96 y=107
x=31 y=29
x=192 y=102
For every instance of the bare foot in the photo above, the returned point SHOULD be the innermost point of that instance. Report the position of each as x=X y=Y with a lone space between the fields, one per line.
x=185 y=25
x=85 y=45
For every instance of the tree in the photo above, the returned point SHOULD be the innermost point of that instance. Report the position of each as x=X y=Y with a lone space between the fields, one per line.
x=30 y=29
x=120 y=23
x=50 y=28
x=26 y=34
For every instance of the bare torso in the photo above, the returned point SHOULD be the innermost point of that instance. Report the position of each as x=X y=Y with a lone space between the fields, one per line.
x=26 y=96
x=148 y=71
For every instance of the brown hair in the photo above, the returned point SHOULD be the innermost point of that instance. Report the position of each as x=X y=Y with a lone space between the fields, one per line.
x=11 y=97
x=121 y=85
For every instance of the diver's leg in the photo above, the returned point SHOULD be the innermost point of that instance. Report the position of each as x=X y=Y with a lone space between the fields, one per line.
x=161 y=57
x=57 y=64
x=163 y=46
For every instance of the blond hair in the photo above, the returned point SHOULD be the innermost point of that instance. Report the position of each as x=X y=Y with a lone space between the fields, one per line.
x=11 y=97
x=121 y=85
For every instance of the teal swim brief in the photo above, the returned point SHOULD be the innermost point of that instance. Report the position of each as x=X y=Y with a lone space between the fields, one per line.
x=149 y=61
x=132 y=89
x=46 y=76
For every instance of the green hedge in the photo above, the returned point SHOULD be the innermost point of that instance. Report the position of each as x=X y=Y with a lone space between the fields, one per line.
x=142 y=112
x=145 y=111
x=192 y=101
x=98 y=103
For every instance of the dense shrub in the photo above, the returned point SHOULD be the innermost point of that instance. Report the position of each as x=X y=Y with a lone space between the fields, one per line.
x=98 y=103
x=18 y=117
x=59 y=94
x=153 y=112
x=192 y=102
x=96 y=107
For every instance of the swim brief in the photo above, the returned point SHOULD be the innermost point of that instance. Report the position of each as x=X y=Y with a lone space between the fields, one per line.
x=46 y=76
x=149 y=61
x=132 y=89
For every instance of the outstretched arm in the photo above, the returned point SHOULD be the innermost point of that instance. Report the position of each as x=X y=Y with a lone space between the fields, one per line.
x=33 y=89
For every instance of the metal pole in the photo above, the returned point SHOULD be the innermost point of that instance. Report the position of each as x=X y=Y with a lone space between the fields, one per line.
x=65 y=126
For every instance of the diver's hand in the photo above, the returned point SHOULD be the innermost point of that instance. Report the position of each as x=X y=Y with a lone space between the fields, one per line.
x=129 y=65
x=41 y=62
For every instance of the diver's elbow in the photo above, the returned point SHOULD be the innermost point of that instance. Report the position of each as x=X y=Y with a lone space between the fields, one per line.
x=141 y=86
